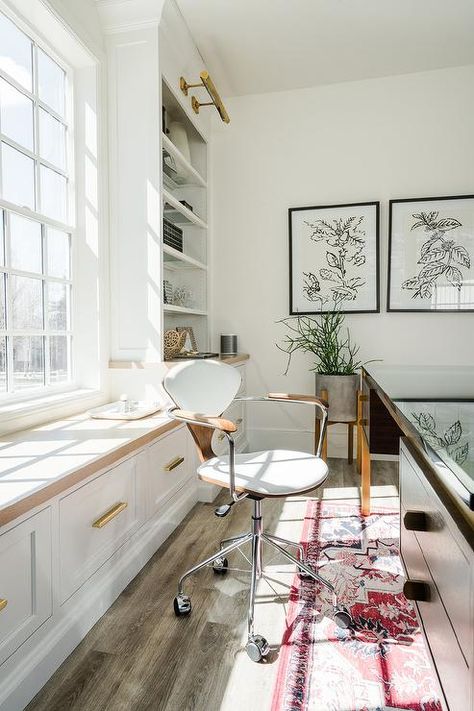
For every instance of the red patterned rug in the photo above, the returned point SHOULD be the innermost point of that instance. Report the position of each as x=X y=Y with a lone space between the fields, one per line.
x=382 y=662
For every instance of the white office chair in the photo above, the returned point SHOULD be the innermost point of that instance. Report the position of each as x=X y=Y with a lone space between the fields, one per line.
x=201 y=391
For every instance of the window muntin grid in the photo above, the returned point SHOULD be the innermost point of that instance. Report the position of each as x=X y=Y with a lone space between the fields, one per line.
x=35 y=239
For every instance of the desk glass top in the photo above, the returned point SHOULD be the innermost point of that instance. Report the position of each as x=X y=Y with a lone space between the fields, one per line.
x=424 y=382
x=448 y=429
x=439 y=402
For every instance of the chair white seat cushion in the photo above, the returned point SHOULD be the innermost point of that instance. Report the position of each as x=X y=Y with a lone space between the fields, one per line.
x=274 y=472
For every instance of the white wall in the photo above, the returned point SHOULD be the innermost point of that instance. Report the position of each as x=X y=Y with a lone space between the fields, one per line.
x=395 y=137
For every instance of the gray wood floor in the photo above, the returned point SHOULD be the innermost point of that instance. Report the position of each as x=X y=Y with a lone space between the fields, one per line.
x=140 y=657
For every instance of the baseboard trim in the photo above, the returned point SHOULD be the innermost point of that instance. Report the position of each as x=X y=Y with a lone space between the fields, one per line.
x=34 y=662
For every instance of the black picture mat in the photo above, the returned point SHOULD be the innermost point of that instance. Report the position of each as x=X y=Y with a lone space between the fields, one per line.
x=390 y=222
x=291 y=210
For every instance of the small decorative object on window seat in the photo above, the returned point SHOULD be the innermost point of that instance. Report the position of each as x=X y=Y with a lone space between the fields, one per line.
x=124 y=409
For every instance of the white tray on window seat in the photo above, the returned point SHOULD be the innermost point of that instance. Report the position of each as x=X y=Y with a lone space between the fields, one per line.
x=115 y=411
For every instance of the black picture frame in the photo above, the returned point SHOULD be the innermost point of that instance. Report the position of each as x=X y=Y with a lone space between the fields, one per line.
x=390 y=277
x=376 y=241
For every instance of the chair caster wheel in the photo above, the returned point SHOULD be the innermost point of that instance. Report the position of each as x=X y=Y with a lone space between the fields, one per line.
x=220 y=566
x=342 y=617
x=182 y=605
x=257 y=647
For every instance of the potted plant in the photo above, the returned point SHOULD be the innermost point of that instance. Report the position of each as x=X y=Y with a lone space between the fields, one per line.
x=336 y=365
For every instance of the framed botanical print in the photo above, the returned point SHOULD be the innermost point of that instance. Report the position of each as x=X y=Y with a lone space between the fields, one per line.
x=431 y=254
x=334 y=258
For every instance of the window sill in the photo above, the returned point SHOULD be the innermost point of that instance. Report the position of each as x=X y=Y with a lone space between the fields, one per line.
x=40 y=409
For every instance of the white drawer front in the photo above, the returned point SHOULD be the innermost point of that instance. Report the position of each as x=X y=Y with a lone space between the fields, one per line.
x=435 y=556
x=94 y=521
x=451 y=572
x=169 y=467
x=448 y=565
x=25 y=580
x=454 y=674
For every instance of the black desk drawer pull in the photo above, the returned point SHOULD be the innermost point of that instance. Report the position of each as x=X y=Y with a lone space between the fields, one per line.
x=417 y=590
x=415 y=521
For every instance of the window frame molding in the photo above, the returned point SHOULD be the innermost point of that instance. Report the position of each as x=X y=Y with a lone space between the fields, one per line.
x=45 y=221
x=87 y=64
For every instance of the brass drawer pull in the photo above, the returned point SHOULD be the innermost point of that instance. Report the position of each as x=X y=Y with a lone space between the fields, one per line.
x=415 y=521
x=3 y=603
x=173 y=464
x=417 y=590
x=110 y=514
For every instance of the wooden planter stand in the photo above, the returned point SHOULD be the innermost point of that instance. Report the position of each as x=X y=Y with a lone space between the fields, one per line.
x=350 y=433
x=363 y=453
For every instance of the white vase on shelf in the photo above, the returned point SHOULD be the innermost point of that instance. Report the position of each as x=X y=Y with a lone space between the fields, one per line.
x=179 y=137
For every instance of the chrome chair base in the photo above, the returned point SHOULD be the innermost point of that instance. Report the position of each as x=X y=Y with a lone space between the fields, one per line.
x=257 y=646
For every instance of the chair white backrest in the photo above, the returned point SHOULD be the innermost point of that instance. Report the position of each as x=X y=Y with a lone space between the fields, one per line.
x=204 y=386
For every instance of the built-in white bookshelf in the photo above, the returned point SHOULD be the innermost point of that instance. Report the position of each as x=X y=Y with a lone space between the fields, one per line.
x=185 y=232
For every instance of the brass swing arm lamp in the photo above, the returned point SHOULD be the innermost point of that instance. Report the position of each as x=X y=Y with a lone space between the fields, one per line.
x=206 y=82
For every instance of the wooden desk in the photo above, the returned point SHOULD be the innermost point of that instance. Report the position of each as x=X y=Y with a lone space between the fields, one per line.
x=383 y=424
x=437 y=524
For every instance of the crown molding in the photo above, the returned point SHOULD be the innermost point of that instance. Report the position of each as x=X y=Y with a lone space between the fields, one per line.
x=127 y=15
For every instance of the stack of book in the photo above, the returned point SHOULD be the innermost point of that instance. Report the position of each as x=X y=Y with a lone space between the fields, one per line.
x=172 y=235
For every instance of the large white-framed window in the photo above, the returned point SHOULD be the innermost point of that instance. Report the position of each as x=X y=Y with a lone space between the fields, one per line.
x=36 y=235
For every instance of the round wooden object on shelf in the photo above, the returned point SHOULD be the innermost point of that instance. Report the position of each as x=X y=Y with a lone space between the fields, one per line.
x=173 y=343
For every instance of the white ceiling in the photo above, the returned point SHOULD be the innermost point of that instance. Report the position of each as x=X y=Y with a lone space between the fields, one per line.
x=256 y=46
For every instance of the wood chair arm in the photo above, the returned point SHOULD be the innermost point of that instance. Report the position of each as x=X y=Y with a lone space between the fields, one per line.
x=217 y=423
x=311 y=399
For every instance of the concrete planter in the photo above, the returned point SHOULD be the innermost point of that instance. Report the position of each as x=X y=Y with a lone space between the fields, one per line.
x=342 y=395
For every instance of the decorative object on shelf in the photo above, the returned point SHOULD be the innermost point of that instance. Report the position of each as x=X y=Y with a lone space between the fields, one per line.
x=164 y=120
x=334 y=258
x=182 y=296
x=216 y=100
x=169 y=168
x=187 y=205
x=173 y=343
x=179 y=137
x=228 y=344
x=431 y=254
x=190 y=343
x=167 y=292
x=172 y=235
